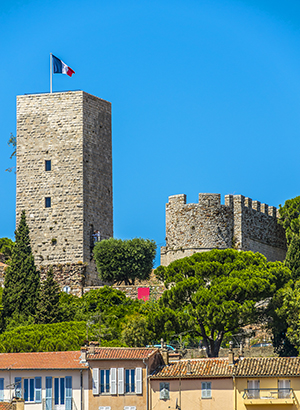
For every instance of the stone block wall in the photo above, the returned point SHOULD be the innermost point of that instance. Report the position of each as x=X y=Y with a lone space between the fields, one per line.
x=73 y=131
x=71 y=275
x=241 y=223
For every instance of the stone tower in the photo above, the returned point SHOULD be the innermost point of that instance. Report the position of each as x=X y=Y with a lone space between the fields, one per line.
x=241 y=224
x=64 y=177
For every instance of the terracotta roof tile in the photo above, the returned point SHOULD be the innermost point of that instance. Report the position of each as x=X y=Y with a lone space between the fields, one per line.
x=217 y=367
x=125 y=353
x=41 y=360
x=5 y=405
x=268 y=366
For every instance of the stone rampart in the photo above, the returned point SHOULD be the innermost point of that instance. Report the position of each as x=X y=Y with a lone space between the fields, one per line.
x=241 y=224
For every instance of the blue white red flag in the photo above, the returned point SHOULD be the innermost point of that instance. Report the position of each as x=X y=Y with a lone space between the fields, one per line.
x=59 y=67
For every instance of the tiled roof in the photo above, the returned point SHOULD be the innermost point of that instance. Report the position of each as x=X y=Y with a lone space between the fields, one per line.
x=5 y=405
x=124 y=353
x=217 y=367
x=268 y=366
x=41 y=360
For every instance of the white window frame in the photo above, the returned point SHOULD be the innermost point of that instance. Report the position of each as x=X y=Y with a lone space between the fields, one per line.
x=253 y=387
x=284 y=386
x=206 y=390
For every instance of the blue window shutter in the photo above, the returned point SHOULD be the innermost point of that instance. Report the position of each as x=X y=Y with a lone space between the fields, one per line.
x=68 y=392
x=107 y=382
x=127 y=387
x=31 y=389
x=56 y=391
x=102 y=390
x=48 y=393
x=25 y=393
x=18 y=387
x=132 y=389
x=62 y=391
x=1 y=389
x=38 y=389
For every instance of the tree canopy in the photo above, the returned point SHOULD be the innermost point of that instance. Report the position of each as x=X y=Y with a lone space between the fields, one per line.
x=290 y=217
x=221 y=291
x=22 y=280
x=6 y=246
x=125 y=261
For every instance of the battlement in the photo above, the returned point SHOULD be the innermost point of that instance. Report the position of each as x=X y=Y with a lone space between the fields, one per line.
x=242 y=223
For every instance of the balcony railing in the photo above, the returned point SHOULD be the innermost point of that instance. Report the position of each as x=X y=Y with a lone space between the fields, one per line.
x=50 y=404
x=268 y=394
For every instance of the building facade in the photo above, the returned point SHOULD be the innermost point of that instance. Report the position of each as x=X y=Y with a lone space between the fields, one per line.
x=64 y=178
x=241 y=224
x=45 y=380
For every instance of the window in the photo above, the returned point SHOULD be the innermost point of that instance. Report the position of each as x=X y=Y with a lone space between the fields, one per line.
x=206 y=390
x=48 y=202
x=130 y=381
x=284 y=387
x=104 y=381
x=253 y=389
x=67 y=289
x=48 y=165
x=164 y=391
x=59 y=391
x=32 y=389
x=1 y=389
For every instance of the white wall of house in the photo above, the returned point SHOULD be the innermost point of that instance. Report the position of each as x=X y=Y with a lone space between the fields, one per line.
x=38 y=396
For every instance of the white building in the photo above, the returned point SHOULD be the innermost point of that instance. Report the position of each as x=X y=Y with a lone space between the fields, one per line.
x=45 y=380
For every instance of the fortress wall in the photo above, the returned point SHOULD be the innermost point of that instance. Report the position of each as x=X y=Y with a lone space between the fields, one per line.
x=259 y=229
x=241 y=224
x=197 y=227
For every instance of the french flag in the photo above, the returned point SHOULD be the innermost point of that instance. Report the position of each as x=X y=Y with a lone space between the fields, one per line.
x=59 y=67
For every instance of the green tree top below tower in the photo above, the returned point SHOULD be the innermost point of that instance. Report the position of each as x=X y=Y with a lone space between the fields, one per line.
x=22 y=281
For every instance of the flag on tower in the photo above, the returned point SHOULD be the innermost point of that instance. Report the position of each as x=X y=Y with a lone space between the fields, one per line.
x=59 y=67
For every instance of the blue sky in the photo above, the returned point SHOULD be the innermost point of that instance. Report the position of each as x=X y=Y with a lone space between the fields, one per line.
x=205 y=95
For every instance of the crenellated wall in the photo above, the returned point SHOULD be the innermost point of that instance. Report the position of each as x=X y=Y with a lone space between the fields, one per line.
x=241 y=223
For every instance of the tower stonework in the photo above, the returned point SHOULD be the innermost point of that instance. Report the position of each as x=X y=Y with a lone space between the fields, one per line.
x=64 y=177
x=241 y=224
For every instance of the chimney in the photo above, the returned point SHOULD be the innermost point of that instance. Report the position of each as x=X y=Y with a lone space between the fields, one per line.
x=17 y=404
x=83 y=351
x=189 y=367
x=92 y=345
x=231 y=354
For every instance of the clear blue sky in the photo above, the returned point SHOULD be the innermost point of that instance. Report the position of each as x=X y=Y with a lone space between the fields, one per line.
x=205 y=95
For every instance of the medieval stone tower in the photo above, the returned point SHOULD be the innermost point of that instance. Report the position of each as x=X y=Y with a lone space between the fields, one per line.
x=64 y=177
x=241 y=224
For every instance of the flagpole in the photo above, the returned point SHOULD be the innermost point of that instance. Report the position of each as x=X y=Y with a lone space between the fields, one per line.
x=51 y=73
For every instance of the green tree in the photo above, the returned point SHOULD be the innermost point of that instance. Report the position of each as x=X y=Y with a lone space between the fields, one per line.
x=48 y=306
x=221 y=291
x=136 y=332
x=6 y=246
x=290 y=217
x=22 y=280
x=125 y=261
x=292 y=259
